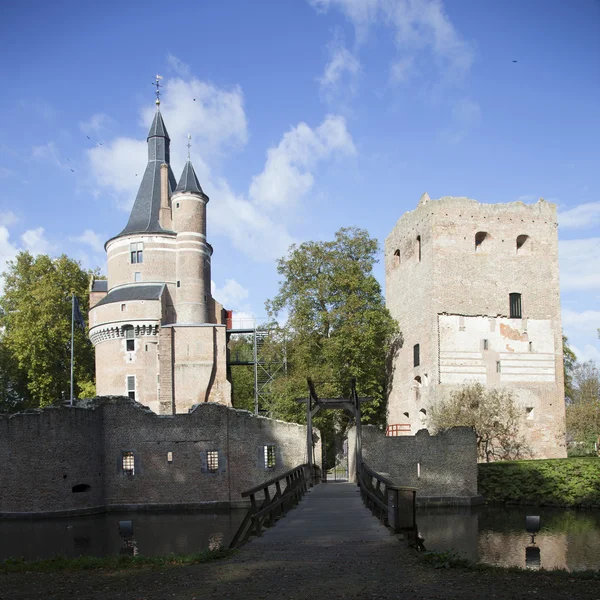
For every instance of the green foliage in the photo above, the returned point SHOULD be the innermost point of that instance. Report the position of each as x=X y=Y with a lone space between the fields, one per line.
x=569 y=361
x=571 y=482
x=35 y=318
x=84 y=563
x=444 y=559
x=583 y=412
x=337 y=326
x=493 y=415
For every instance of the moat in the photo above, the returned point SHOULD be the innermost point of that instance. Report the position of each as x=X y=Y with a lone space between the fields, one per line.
x=493 y=535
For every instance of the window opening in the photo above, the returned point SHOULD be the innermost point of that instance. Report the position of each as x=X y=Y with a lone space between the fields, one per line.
x=498 y=367
x=423 y=411
x=522 y=243
x=529 y=412
x=419 y=247
x=129 y=339
x=418 y=380
x=80 y=487
x=270 y=459
x=406 y=415
x=136 y=251
x=137 y=276
x=128 y=459
x=485 y=345
x=530 y=346
x=212 y=461
x=123 y=307
x=176 y=204
x=480 y=237
x=515 y=306
x=179 y=284
x=131 y=386
x=416 y=355
x=397 y=257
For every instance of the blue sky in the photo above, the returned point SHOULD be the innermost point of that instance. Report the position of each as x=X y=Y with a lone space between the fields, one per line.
x=306 y=116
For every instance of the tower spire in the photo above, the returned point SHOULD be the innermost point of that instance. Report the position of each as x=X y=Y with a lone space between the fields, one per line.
x=189 y=144
x=158 y=86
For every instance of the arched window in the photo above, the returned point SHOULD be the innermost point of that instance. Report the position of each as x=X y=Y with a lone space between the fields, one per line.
x=396 y=258
x=481 y=237
x=523 y=244
x=418 y=381
x=419 y=248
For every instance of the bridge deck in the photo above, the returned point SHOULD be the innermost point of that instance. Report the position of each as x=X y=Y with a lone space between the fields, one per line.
x=328 y=513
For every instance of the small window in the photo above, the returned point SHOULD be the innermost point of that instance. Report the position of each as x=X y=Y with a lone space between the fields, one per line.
x=396 y=258
x=529 y=412
x=137 y=276
x=131 y=386
x=406 y=415
x=128 y=459
x=270 y=458
x=169 y=457
x=522 y=244
x=515 y=306
x=129 y=339
x=419 y=248
x=423 y=411
x=485 y=345
x=416 y=355
x=498 y=367
x=205 y=298
x=123 y=307
x=179 y=284
x=418 y=381
x=136 y=251
x=212 y=461
x=480 y=239
x=80 y=488
x=530 y=346
x=176 y=204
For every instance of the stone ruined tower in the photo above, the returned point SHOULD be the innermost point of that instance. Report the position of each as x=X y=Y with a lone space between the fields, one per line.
x=475 y=290
x=159 y=336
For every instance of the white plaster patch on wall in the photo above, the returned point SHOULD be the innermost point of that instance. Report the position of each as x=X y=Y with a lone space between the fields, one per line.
x=502 y=350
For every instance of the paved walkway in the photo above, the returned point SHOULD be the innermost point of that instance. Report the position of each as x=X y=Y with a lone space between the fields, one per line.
x=329 y=513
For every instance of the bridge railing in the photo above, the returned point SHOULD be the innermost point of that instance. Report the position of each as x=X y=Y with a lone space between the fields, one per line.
x=269 y=501
x=393 y=504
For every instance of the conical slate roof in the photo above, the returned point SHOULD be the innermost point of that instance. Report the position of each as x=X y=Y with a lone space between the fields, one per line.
x=146 y=208
x=188 y=181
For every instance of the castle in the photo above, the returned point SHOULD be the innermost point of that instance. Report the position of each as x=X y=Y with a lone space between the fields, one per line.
x=475 y=290
x=159 y=336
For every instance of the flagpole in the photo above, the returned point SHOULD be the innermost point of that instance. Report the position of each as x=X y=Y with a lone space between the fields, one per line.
x=72 y=338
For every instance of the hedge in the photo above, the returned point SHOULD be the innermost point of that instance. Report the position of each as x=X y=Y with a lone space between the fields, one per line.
x=572 y=482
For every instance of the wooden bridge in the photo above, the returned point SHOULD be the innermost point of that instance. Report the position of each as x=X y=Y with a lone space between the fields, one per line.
x=326 y=513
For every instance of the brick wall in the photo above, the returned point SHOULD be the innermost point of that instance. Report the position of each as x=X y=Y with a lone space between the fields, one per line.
x=47 y=452
x=448 y=462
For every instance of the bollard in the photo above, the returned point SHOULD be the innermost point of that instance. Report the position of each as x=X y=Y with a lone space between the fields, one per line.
x=401 y=508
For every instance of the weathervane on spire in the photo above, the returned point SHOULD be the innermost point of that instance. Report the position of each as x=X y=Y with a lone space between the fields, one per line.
x=189 y=144
x=158 y=86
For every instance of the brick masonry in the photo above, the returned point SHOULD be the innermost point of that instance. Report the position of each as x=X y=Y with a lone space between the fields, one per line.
x=450 y=267
x=443 y=467
x=46 y=453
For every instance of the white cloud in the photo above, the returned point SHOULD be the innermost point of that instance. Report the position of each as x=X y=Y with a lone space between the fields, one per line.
x=92 y=239
x=217 y=121
x=119 y=166
x=402 y=70
x=4 y=172
x=587 y=352
x=50 y=153
x=420 y=26
x=232 y=295
x=287 y=174
x=96 y=124
x=180 y=68
x=583 y=216
x=8 y=218
x=36 y=242
x=8 y=251
x=579 y=264
x=340 y=74
x=588 y=320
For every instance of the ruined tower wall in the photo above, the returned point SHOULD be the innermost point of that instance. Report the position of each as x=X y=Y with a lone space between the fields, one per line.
x=473 y=257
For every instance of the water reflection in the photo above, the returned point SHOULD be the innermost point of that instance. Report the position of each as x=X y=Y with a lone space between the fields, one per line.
x=98 y=535
x=496 y=535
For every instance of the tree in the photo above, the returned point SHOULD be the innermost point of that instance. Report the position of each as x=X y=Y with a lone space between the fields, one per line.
x=242 y=376
x=337 y=324
x=583 y=413
x=35 y=320
x=493 y=415
x=569 y=361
